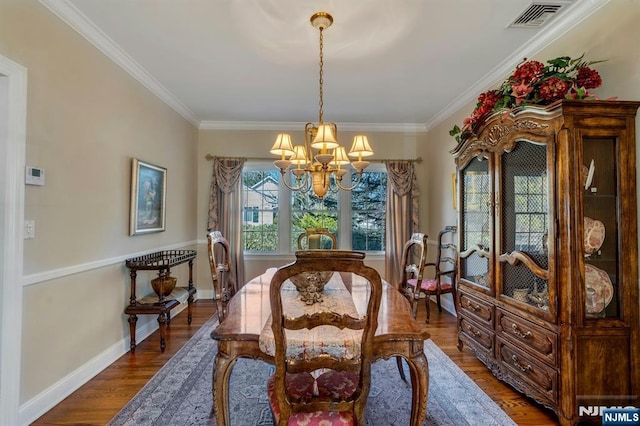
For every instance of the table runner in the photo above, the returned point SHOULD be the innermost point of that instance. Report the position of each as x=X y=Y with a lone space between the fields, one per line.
x=308 y=344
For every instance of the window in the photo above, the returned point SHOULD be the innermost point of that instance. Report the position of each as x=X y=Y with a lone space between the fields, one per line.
x=368 y=201
x=251 y=214
x=356 y=217
x=260 y=199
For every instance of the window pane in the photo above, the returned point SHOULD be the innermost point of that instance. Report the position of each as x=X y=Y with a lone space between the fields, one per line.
x=368 y=217
x=260 y=210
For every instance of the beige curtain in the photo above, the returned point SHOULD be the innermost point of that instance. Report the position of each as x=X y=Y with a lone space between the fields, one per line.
x=225 y=210
x=401 y=212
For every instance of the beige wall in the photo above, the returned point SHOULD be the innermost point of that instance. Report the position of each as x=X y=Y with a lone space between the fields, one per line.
x=611 y=34
x=86 y=119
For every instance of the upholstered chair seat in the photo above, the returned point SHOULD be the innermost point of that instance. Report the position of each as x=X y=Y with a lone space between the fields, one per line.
x=430 y=285
x=303 y=387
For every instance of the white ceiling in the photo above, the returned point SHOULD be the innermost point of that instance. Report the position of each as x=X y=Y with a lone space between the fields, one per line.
x=388 y=64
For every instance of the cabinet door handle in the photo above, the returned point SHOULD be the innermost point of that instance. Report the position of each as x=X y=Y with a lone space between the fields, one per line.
x=517 y=331
x=474 y=333
x=517 y=363
x=472 y=306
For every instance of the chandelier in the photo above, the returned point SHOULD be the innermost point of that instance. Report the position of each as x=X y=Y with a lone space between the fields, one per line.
x=321 y=162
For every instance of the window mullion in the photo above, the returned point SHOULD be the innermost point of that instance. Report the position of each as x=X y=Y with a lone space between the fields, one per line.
x=344 y=216
x=284 y=226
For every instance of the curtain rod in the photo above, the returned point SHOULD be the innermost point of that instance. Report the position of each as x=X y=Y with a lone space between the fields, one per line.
x=418 y=160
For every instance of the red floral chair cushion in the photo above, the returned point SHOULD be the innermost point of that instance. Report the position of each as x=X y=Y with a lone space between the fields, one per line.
x=429 y=284
x=335 y=384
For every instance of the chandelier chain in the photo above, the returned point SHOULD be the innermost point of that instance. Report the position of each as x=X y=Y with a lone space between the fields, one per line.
x=320 y=163
x=321 y=75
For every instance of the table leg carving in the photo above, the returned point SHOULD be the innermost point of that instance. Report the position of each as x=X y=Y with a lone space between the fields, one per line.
x=413 y=352
x=220 y=385
x=132 y=332
x=419 y=370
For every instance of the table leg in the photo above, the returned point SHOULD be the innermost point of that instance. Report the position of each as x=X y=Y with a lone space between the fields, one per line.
x=221 y=374
x=132 y=332
x=228 y=353
x=162 y=323
x=419 y=370
x=189 y=308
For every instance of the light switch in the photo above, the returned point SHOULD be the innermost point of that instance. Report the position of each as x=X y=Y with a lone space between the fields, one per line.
x=29 y=229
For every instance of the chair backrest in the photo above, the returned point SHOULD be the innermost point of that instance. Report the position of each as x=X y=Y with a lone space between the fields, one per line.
x=447 y=258
x=317 y=238
x=358 y=323
x=220 y=264
x=414 y=257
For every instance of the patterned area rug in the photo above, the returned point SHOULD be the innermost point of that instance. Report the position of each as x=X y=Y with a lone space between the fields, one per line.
x=180 y=393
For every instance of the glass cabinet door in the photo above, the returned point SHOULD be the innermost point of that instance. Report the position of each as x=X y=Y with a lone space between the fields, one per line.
x=476 y=225
x=524 y=212
x=600 y=245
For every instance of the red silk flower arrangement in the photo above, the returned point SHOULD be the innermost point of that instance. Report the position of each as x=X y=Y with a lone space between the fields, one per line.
x=533 y=83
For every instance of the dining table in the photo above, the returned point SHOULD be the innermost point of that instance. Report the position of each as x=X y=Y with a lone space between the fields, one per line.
x=249 y=314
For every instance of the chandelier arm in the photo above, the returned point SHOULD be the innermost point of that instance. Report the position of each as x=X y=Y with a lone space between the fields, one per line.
x=346 y=188
x=303 y=187
x=334 y=188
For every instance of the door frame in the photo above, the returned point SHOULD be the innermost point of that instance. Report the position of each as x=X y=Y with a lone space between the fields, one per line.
x=11 y=276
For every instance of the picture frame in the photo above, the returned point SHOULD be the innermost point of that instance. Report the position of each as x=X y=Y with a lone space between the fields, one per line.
x=148 y=198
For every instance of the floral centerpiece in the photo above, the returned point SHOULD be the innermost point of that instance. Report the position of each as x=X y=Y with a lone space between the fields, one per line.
x=533 y=83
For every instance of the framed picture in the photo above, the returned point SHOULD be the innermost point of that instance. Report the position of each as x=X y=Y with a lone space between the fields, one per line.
x=148 y=198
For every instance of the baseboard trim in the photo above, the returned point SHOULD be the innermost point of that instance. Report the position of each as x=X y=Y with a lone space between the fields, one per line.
x=447 y=304
x=54 y=394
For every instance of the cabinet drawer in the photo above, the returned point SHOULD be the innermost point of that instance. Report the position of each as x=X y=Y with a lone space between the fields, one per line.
x=530 y=375
x=478 y=309
x=476 y=333
x=524 y=334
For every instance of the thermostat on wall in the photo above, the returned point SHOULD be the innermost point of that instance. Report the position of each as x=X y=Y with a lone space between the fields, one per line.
x=34 y=176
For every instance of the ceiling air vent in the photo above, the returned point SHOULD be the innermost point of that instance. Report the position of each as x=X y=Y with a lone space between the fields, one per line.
x=537 y=14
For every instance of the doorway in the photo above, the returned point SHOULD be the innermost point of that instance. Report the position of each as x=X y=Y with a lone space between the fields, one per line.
x=13 y=112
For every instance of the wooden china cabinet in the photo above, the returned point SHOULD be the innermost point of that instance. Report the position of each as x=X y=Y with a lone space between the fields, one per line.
x=548 y=268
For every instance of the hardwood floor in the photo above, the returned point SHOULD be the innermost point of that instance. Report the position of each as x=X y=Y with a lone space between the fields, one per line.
x=101 y=398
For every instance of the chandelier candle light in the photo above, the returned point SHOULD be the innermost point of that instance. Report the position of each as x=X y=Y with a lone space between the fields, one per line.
x=321 y=156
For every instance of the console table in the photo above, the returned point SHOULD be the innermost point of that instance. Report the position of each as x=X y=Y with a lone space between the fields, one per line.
x=161 y=261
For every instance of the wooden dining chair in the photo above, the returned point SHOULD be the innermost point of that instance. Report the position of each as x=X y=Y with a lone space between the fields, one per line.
x=317 y=238
x=219 y=261
x=414 y=258
x=329 y=386
x=440 y=277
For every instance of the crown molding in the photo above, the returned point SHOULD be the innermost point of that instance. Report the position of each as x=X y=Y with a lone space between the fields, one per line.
x=68 y=13
x=293 y=126
x=556 y=29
